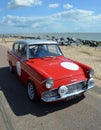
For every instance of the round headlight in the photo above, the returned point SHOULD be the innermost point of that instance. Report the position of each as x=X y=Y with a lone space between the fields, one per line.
x=49 y=83
x=91 y=73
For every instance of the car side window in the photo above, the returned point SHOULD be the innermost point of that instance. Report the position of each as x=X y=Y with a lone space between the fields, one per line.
x=15 y=47
x=22 y=50
x=32 y=51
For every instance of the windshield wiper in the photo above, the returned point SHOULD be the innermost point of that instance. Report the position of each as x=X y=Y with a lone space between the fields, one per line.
x=49 y=56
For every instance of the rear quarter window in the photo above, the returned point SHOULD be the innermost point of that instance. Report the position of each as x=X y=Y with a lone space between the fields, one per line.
x=15 y=47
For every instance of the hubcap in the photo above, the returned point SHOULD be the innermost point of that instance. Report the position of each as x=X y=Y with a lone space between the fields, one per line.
x=10 y=67
x=31 y=91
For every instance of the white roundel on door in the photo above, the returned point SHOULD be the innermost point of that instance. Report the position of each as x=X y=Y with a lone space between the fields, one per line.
x=69 y=65
x=18 y=68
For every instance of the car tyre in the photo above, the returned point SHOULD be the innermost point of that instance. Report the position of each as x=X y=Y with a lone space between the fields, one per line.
x=10 y=67
x=31 y=91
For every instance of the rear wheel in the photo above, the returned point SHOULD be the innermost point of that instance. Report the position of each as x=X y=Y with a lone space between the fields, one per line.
x=32 y=92
x=10 y=67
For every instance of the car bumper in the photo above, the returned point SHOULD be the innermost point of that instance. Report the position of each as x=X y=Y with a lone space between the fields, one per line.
x=74 y=90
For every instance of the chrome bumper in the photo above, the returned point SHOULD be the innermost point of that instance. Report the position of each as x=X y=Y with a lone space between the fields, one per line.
x=53 y=95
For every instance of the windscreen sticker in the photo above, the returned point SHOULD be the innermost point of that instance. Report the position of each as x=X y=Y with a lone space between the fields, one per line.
x=18 y=67
x=69 y=65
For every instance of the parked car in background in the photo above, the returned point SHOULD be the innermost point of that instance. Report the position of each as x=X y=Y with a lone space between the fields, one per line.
x=46 y=73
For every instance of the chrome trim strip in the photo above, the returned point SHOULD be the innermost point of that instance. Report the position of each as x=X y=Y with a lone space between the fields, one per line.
x=73 y=80
x=46 y=80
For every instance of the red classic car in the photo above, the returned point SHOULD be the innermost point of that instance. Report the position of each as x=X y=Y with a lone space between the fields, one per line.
x=46 y=73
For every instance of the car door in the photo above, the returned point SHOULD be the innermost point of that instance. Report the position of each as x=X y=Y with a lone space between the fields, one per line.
x=19 y=59
x=15 y=56
x=21 y=66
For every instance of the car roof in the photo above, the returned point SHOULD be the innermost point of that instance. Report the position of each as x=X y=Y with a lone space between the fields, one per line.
x=32 y=42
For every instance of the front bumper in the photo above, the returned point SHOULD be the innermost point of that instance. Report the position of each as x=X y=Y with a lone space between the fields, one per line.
x=73 y=91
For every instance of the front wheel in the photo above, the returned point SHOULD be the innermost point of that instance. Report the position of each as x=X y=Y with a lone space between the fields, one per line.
x=31 y=92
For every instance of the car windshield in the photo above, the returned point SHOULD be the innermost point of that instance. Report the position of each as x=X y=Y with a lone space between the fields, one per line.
x=44 y=50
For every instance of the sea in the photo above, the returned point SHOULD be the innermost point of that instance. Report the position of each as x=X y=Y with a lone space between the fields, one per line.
x=83 y=36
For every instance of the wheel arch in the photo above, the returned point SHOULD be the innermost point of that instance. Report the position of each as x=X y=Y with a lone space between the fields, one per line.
x=30 y=80
x=11 y=66
x=9 y=61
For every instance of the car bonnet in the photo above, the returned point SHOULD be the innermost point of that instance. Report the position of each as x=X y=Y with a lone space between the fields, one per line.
x=56 y=67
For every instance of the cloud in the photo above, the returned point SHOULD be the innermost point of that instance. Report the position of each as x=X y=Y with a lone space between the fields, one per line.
x=67 y=6
x=66 y=21
x=56 y=5
x=23 y=3
x=18 y=21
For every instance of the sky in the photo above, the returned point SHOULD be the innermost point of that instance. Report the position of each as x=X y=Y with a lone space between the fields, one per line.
x=49 y=16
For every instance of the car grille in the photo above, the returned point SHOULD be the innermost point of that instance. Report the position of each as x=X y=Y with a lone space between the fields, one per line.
x=76 y=87
x=71 y=89
x=52 y=93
